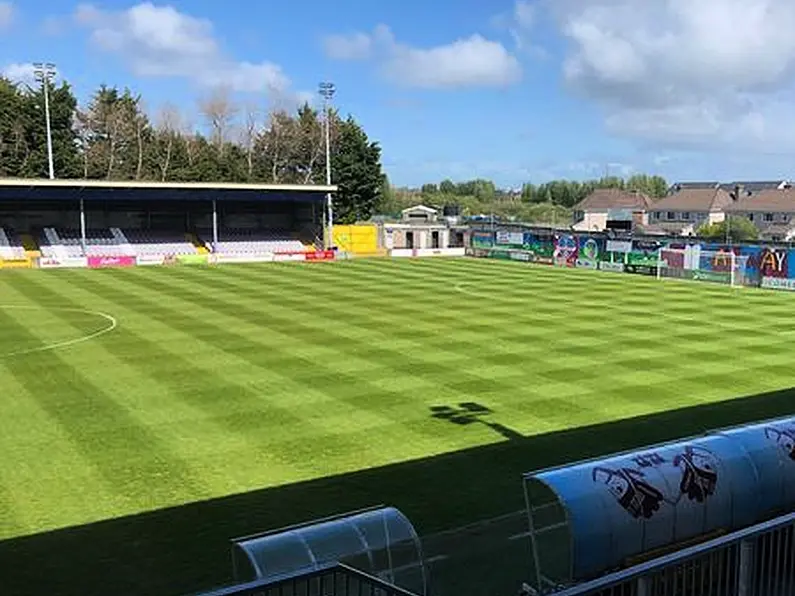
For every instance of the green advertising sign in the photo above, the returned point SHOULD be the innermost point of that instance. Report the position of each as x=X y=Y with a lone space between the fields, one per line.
x=192 y=259
x=723 y=277
x=496 y=253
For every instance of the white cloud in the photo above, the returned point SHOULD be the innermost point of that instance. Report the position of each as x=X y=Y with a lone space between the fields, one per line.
x=160 y=41
x=357 y=46
x=523 y=19
x=467 y=62
x=471 y=62
x=6 y=14
x=685 y=72
x=521 y=24
x=19 y=73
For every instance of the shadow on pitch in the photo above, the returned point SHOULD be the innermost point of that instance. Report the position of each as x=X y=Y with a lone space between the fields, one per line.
x=473 y=413
x=185 y=549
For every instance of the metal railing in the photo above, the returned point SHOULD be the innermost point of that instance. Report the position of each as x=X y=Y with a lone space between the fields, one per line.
x=334 y=579
x=756 y=561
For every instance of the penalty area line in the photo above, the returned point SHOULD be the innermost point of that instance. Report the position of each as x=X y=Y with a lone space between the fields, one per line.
x=112 y=324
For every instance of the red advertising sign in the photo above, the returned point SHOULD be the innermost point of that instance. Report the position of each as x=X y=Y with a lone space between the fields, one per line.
x=102 y=262
x=320 y=255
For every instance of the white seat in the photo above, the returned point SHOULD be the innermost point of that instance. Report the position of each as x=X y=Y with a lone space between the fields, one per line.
x=148 y=243
x=10 y=246
x=257 y=242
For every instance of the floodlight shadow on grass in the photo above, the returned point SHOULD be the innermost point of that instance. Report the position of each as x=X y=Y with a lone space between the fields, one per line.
x=470 y=413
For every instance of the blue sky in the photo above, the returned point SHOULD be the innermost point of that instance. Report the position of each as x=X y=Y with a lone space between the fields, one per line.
x=516 y=91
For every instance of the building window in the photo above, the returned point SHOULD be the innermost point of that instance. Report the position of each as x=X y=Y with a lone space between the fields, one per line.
x=671 y=215
x=785 y=217
x=686 y=216
x=751 y=217
x=768 y=217
x=434 y=239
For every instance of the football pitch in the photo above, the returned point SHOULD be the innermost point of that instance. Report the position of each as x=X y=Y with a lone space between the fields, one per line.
x=150 y=414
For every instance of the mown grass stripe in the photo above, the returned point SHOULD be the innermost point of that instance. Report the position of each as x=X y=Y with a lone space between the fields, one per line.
x=462 y=382
x=102 y=430
x=361 y=349
x=291 y=449
x=310 y=372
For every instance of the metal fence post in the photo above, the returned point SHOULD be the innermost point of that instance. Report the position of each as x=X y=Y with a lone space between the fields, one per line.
x=644 y=586
x=746 y=568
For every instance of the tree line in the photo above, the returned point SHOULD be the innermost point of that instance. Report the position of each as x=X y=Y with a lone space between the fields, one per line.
x=565 y=193
x=549 y=203
x=112 y=137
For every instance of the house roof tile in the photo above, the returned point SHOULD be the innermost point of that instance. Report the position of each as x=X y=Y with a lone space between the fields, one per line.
x=613 y=198
x=781 y=201
x=694 y=199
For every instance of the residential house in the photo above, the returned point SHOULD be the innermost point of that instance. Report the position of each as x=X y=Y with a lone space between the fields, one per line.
x=602 y=207
x=684 y=210
x=771 y=211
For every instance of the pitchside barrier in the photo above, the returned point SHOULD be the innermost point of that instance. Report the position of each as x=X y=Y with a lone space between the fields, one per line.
x=102 y=262
x=427 y=252
x=738 y=265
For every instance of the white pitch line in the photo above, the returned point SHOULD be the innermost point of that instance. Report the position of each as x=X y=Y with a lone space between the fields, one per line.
x=112 y=324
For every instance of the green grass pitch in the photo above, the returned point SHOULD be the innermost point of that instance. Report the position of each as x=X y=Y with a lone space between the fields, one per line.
x=264 y=395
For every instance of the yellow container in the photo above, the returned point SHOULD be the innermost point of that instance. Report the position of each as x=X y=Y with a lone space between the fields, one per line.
x=359 y=239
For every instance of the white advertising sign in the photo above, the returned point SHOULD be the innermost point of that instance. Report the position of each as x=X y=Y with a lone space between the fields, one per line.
x=778 y=283
x=150 y=259
x=288 y=257
x=66 y=262
x=619 y=246
x=505 y=237
x=242 y=258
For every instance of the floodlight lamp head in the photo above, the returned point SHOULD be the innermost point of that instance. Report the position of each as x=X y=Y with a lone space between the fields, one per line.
x=43 y=70
x=327 y=89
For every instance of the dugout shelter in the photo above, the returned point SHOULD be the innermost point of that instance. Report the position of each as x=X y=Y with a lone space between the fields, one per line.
x=380 y=541
x=208 y=212
x=596 y=516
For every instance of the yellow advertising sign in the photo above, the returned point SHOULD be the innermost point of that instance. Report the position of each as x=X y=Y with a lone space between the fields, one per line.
x=15 y=264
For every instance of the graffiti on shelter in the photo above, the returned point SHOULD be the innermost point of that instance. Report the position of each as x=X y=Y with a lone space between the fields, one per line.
x=784 y=438
x=630 y=488
x=699 y=473
x=635 y=491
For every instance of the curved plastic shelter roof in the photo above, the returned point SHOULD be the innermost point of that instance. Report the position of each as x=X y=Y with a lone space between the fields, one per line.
x=595 y=516
x=380 y=541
